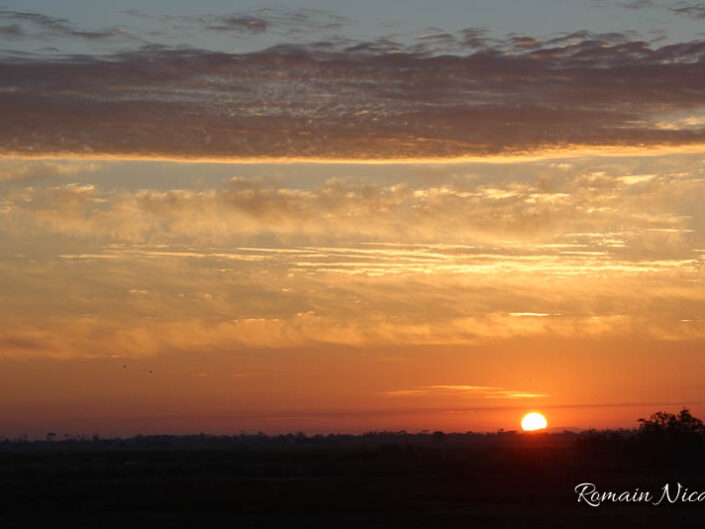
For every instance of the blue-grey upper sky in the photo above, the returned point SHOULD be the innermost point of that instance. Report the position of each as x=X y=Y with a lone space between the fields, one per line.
x=160 y=21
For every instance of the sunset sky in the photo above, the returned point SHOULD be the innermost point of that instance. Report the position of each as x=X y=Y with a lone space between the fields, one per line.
x=346 y=216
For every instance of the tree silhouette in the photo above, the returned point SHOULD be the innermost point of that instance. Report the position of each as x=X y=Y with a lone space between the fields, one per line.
x=668 y=424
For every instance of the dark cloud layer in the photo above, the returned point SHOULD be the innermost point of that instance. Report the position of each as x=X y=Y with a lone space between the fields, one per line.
x=378 y=99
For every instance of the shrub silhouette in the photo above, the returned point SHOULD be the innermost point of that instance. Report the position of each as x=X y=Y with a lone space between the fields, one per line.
x=438 y=437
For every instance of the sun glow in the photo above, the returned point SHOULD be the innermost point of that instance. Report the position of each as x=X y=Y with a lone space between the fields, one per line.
x=533 y=421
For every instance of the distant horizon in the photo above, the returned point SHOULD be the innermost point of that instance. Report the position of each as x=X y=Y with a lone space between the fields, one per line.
x=343 y=416
x=51 y=436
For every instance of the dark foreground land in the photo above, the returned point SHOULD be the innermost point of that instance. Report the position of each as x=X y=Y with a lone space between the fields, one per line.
x=383 y=480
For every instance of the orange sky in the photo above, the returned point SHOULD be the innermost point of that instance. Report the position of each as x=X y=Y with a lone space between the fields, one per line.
x=336 y=297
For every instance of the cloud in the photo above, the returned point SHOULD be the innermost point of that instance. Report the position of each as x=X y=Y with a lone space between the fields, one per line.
x=547 y=210
x=37 y=25
x=638 y=4
x=695 y=10
x=377 y=100
x=12 y=30
x=281 y=21
x=41 y=171
x=243 y=24
x=487 y=392
x=476 y=37
x=300 y=20
x=470 y=256
x=128 y=330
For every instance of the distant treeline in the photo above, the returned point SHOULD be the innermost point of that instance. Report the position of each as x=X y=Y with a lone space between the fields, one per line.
x=204 y=440
x=679 y=431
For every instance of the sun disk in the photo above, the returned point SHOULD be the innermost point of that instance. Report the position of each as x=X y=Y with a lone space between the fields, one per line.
x=533 y=421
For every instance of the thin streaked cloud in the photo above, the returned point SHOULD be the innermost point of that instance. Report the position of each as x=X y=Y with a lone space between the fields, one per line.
x=485 y=392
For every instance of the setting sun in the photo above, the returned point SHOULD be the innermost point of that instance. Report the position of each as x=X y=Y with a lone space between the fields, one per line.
x=533 y=421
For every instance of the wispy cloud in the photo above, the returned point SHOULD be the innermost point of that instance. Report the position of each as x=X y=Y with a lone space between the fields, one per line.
x=627 y=211
x=283 y=21
x=694 y=10
x=486 y=392
x=290 y=21
x=37 y=25
x=638 y=4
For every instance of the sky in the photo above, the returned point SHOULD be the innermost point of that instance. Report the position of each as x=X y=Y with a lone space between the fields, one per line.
x=343 y=217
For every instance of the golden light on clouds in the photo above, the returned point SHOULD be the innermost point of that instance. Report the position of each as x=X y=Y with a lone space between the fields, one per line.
x=519 y=156
x=440 y=286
